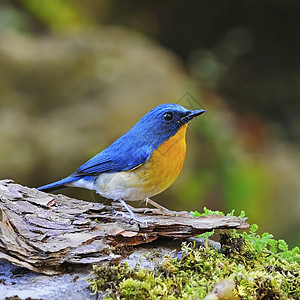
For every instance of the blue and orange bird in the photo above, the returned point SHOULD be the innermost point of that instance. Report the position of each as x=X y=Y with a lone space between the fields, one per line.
x=140 y=164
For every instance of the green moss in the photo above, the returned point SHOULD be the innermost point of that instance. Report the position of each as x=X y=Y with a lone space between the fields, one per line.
x=250 y=265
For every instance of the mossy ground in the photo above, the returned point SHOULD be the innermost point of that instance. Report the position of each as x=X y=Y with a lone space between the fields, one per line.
x=249 y=266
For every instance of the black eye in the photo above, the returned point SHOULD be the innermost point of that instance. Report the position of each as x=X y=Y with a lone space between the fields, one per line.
x=168 y=116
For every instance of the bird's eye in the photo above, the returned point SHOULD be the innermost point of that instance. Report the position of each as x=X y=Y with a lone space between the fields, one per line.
x=168 y=116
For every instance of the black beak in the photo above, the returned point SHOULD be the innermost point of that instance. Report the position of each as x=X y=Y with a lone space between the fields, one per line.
x=196 y=113
x=192 y=114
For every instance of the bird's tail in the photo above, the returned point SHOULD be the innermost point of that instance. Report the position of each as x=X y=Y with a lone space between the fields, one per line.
x=57 y=185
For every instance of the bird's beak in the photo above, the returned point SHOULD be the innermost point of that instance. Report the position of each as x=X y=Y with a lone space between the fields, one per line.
x=190 y=115
x=196 y=113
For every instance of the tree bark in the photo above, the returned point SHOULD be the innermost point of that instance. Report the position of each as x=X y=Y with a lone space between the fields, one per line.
x=45 y=232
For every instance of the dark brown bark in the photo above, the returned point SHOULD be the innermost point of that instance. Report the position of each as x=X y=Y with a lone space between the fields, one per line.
x=43 y=232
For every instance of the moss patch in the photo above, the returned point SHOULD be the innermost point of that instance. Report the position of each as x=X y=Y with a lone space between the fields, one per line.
x=249 y=266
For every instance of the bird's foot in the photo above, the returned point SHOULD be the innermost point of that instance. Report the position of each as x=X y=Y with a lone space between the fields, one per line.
x=132 y=215
x=166 y=212
x=172 y=213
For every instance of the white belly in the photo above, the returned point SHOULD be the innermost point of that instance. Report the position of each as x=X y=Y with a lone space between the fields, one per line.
x=122 y=185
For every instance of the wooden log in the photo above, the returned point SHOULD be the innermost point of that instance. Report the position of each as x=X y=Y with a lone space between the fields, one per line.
x=44 y=232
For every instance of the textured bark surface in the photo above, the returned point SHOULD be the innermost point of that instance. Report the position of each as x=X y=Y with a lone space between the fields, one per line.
x=45 y=232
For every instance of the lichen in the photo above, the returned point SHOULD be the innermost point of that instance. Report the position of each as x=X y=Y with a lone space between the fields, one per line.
x=249 y=266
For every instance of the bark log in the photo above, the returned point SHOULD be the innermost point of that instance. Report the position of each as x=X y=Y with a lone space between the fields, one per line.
x=45 y=232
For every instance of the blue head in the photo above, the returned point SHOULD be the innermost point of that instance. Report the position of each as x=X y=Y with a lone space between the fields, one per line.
x=162 y=122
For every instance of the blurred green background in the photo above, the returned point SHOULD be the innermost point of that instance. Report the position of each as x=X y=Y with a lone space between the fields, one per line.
x=75 y=75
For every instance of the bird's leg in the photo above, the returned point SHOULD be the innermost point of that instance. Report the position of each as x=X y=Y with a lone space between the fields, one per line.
x=166 y=211
x=132 y=214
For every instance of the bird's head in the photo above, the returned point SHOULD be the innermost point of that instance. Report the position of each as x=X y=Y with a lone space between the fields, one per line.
x=164 y=121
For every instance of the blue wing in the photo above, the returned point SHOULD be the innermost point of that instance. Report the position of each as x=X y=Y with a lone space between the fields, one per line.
x=124 y=154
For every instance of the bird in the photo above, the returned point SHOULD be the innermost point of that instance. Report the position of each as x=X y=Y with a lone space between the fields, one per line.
x=140 y=164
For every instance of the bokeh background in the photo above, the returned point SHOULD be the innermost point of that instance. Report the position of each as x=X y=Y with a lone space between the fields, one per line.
x=75 y=75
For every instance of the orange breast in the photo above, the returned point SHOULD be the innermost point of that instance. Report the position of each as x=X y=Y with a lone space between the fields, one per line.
x=165 y=164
